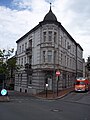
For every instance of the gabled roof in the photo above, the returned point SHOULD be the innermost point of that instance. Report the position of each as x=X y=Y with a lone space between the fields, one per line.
x=32 y=30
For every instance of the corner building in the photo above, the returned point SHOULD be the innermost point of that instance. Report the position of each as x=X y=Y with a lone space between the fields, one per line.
x=42 y=51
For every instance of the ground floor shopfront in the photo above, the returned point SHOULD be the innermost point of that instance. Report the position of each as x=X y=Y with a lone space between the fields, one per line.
x=39 y=80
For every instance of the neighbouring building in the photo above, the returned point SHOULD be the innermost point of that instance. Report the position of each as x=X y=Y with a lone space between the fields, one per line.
x=84 y=68
x=42 y=51
x=87 y=68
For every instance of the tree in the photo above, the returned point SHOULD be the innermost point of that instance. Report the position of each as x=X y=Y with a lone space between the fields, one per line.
x=11 y=65
x=5 y=64
x=2 y=63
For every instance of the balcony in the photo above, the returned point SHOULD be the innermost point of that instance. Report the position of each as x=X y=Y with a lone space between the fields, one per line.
x=28 y=68
x=29 y=51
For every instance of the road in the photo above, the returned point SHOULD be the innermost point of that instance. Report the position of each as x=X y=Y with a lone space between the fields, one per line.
x=75 y=106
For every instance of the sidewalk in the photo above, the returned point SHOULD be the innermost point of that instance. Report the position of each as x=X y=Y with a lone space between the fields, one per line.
x=4 y=99
x=43 y=95
x=54 y=95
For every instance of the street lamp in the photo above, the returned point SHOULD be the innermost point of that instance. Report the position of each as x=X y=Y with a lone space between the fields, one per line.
x=46 y=89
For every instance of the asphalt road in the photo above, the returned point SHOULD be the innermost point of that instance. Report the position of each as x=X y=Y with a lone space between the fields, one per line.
x=75 y=106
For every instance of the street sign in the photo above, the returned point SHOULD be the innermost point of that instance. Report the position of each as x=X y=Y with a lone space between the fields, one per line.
x=57 y=73
x=3 y=92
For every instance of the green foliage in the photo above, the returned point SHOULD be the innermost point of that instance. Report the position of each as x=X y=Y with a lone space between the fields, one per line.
x=11 y=63
x=3 y=68
x=6 y=64
x=1 y=54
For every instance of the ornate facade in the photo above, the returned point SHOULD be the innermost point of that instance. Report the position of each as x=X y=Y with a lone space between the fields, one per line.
x=42 y=51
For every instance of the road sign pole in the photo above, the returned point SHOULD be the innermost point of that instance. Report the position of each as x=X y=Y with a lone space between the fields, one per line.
x=57 y=85
x=57 y=74
x=46 y=89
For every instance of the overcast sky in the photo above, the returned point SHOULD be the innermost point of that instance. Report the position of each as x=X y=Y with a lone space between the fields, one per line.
x=17 y=17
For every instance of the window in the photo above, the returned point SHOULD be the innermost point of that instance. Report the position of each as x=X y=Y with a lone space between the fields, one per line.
x=61 y=41
x=70 y=62
x=67 y=61
x=24 y=60
x=55 y=55
x=65 y=43
x=50 y=36
x=80 y=83
x=22 y=47
x=55 y=37
x=29 y=77
x=44 y=36
x=20 y=80
x=49 y=56
x=61 y=58
x=25 y=46
x=43 y=56
x=30 y=43
x=30 y=59
x=19 y=61
x=68 y=46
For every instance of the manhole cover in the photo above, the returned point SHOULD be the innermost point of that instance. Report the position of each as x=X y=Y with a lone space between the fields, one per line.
x=56 y=110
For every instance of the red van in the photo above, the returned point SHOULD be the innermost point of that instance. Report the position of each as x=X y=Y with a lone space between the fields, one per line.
x=81 y=84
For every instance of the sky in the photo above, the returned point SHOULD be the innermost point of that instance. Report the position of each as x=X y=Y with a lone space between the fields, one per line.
x=17 y=17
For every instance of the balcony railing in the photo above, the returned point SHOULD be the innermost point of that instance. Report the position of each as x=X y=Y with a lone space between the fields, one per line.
x=28 y=68
x=29 y=51
x=47 y=44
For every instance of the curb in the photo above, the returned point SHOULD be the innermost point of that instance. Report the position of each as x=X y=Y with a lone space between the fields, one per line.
x=56 y=98
x=65 y=94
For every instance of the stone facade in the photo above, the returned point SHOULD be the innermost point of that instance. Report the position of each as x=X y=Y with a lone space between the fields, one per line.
x=42 y=51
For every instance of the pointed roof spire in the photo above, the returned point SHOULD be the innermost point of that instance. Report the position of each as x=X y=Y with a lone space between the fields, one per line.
x=50 y=15
x=50 y=6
